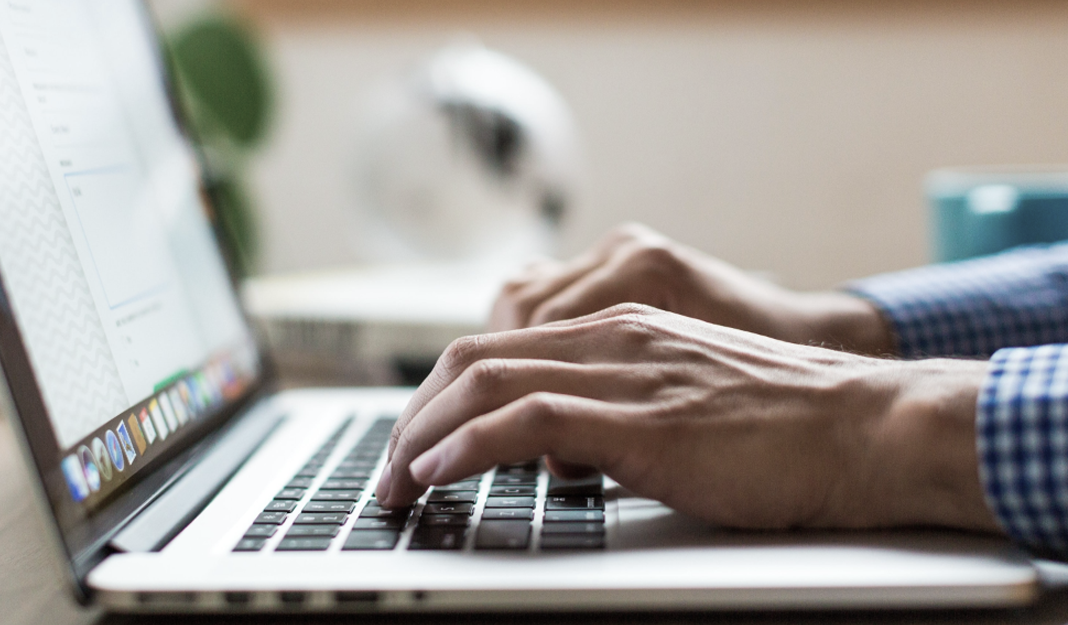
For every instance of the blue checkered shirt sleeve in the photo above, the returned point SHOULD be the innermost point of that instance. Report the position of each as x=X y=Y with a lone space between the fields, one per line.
x=976 y=307
x=1014 y=306
x=1022 y=442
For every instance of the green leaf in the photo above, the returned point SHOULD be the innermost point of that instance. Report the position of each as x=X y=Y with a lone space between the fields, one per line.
x=220 y=67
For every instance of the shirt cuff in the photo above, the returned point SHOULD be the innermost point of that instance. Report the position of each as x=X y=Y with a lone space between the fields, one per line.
x=1022 y=444
x=976 y=307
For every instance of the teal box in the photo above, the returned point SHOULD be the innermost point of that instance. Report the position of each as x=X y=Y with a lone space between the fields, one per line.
x=980 y=211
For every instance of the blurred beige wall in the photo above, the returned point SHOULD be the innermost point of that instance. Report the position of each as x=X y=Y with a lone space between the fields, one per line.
x=784 y=137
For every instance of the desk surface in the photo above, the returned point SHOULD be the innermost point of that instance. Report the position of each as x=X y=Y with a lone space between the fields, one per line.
x=32 y=591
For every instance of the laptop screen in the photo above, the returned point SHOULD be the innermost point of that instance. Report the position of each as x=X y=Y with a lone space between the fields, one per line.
x=123 y=306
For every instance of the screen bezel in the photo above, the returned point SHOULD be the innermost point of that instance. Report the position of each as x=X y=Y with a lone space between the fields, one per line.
x=84 y=539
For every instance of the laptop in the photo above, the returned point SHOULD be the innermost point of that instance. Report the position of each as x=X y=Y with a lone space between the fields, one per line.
x=177 y=480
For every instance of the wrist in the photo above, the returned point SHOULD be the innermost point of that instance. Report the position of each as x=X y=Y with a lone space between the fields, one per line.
x=842 y=321
x=924 y=469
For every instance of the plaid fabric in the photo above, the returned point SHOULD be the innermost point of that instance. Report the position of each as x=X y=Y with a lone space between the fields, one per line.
x=1013 y=306
x=1022 y=440
x=976 y=307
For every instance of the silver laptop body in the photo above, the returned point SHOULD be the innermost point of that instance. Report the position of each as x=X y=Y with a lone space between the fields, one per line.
x=177 y=481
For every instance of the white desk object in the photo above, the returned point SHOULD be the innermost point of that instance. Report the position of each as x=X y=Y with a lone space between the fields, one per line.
x=359 y=325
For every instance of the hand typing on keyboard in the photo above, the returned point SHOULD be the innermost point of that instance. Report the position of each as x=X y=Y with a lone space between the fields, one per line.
x=734 y=427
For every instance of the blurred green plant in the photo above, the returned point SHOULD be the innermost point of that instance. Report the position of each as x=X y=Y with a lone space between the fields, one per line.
x=223 y=82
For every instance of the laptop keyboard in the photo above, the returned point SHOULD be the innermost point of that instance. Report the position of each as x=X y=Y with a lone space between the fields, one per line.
x=496 y=511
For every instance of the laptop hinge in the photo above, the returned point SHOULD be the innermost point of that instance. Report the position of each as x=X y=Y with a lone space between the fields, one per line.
x=161 y=521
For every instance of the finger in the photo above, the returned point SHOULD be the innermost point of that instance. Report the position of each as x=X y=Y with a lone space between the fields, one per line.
x=568 y=470
x=597 y=290
x=520 y=297
x=638 y=271
x=490 y=384
x=566 y=341
x=574 y=429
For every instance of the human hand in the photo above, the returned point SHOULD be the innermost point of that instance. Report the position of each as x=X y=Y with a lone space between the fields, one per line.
x=734 y=428
x=636 y=264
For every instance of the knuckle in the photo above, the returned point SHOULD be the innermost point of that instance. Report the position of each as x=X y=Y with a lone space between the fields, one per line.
x=631 y=309
x=653 y=258
x=462 y=352
x=487 y=374
x=541 y=408
x=635 y=327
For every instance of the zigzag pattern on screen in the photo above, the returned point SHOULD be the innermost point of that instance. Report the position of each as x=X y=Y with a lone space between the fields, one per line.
x=46 y=283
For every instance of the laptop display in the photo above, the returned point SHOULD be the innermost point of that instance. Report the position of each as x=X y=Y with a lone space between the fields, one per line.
x=114 y=293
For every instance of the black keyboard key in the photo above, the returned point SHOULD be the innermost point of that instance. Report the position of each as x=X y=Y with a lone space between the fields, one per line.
x=572 y=528
x=300 y=482
x=513 y=514
x=503 y=535
x=337 y=495
x=572 y=541
x=574 y=502
x=291 y=493
x=351 y=474
x=304 y=544
x=250 y=544
x=261 y=531
x=368 y=540
x=274 y=518
x=448 y=508
x=458 y=486
x=329 y=506
x=446 y=538
x=321 y=518
x=445 y=520
x=339 y=484
x=453 y=497
x=373 y=510
x=515 y=480
x=365 y=523
x=510 y=502
x=309 y=472
x=321 y=531
x=568 y=516
x=281 y=506
x=512 y=491
x=592 y=485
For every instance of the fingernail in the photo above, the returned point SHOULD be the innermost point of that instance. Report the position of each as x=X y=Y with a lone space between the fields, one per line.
x=382 y=492
x=425 y=466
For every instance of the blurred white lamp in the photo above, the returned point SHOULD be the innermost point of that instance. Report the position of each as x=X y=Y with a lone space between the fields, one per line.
x=471 y=158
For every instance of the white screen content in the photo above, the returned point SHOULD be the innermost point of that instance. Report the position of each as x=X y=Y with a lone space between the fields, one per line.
x=109 y=260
